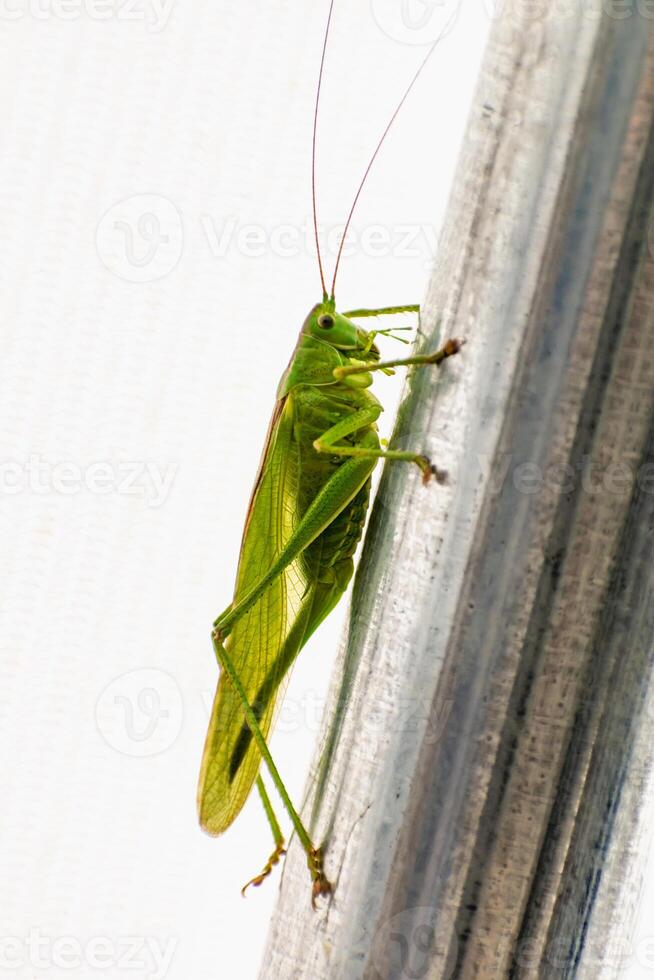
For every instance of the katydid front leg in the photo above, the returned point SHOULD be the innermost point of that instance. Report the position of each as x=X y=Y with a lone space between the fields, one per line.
x=383 y=311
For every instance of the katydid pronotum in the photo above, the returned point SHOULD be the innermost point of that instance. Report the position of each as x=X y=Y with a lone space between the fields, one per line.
x=304 y=521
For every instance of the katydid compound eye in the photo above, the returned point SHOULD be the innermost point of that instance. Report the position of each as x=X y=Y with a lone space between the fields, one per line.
x=326 y=321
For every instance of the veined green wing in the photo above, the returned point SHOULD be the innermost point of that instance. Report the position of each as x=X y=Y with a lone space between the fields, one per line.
x=267 y=639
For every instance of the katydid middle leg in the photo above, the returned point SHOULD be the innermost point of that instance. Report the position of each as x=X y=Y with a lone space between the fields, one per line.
x=328 y=442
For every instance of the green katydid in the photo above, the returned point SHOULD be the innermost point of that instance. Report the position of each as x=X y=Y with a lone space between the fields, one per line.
x=304 y=521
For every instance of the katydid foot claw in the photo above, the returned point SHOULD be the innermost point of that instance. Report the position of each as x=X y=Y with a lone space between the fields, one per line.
x=449 y=349
x=428 y=471
x=274 y=859
x=424 y=466
x=321 y=884
x=453 y=346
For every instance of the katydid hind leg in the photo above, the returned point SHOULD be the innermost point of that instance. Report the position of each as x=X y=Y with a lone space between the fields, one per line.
x=278 y=837
x=268 y=688
x=325 y=595
x=339 y=490
x=321 y=884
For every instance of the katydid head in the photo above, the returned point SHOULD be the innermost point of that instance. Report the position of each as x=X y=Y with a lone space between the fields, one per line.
x=324 y=323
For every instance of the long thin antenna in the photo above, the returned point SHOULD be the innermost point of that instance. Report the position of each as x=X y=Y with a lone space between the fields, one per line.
x=379 y=146
x=313 y=150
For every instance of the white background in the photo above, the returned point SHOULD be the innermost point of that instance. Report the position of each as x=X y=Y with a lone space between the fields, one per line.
x=154 y=186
